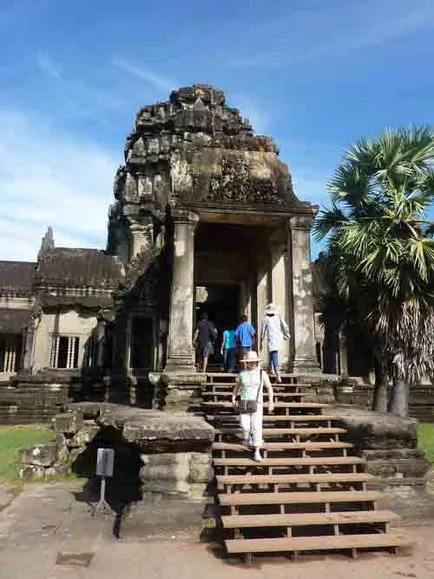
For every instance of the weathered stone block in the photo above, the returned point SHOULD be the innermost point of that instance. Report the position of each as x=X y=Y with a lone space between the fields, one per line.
x=376 y=430
x=166 y=473
x=84 y=436
x=39 y=455
x=58 y=470
x=201 y=470
x=30 y=471
x=68 y=423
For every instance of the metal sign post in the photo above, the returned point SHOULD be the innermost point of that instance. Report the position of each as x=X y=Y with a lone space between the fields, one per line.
x=104 y=468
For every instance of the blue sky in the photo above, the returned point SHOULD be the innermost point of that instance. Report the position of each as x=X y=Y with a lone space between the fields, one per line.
x=313 y=74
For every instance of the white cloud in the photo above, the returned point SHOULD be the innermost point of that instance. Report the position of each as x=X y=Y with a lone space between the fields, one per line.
x=156 y=80
x=50 y=179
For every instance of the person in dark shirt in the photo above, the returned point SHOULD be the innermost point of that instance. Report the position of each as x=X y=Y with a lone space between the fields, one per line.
x=203 y=340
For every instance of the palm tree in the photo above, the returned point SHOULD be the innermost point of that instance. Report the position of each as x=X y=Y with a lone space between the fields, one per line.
x=382 y=249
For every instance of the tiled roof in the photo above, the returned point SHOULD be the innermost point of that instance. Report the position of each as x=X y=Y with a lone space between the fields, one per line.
x=79 y=267
x=16 y=277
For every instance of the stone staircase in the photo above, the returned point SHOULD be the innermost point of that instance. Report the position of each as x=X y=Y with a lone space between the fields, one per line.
x=309 y=493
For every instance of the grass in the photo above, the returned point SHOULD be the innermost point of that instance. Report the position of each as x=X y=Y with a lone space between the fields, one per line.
x=12 y=438
x=425 y=432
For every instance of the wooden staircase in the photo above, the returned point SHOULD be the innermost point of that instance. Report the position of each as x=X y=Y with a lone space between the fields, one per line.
x=309 y=493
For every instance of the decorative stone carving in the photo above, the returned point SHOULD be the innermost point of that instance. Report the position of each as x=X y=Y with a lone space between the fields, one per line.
x=236 y=184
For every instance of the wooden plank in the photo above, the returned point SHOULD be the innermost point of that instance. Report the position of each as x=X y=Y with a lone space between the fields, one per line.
x=283 y=461
x=301 y=519
x=282 y=431
x=277 y=418
x=278 y=394
x=299 y=498
x=293 y=478
x=300 y=405
x=320 y=543
x=285 y=446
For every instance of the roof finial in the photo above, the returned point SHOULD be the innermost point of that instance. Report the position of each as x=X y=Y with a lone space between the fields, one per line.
x=47 y=243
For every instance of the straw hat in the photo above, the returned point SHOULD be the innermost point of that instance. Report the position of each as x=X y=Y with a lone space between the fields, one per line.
x=251 y=357
x=271 y=309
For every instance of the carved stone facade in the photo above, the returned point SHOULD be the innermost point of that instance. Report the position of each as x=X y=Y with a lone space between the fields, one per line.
x=200 y=202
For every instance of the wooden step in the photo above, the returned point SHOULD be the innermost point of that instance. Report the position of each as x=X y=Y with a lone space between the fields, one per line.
x=285 y=395
x=288 y=431
x=326 y=543
x=302 y=519
x=299 y=405
x=299 y=498
x=283 y=461
x=276 y=418
x=294 y=478
x=284 y=446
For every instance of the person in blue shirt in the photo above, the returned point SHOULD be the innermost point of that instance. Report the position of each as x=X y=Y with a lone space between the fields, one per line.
x=229 y=350
x=246 y=336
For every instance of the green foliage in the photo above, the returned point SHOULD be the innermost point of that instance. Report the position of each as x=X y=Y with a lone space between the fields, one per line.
x=381 y=246
x=12 y=439
x=425 y=434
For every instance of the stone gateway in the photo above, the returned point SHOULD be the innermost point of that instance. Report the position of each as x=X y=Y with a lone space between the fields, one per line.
x=204 y=218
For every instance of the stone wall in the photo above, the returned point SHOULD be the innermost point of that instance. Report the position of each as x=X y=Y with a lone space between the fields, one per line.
x=163 y=453
x=421 y=399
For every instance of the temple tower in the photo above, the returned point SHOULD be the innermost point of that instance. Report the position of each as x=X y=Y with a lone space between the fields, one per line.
x=205 y=218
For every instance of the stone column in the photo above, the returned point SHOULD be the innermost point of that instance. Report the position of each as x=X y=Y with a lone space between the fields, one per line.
x=180 y=354
x=141 y=235
x=305 y=359
x=279 y=297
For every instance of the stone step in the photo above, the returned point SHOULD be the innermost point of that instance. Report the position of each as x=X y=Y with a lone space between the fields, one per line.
x=316 y=543
x=308 y=519
x=299 y=498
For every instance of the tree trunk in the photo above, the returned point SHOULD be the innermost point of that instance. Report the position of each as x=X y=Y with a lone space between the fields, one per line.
x=380 y=392
x=399 y=399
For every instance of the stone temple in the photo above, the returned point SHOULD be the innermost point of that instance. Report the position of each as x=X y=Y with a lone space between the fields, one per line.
x=204 y=218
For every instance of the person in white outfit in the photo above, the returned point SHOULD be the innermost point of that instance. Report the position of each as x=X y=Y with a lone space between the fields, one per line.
x=250 y=386
x=274 y=329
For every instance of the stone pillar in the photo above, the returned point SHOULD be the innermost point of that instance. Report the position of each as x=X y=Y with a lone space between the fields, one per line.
x=141 y=235
x=305 y=359
x=180 y=354
x=279 y=298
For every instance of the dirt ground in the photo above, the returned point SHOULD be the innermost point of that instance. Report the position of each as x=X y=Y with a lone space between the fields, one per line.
x=48 y=532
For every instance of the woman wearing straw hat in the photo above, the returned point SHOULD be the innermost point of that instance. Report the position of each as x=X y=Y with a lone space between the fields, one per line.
x=250 y=386
x=274 y=329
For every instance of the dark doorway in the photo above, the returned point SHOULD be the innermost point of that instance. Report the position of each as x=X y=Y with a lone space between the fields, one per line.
x=221 y=302
x=141 y=343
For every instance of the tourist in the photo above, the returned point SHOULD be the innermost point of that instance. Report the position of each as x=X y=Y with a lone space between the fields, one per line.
x=229 y=350
x=274 y=329
x=203 y=340
x=246 y=335
x=250 y=387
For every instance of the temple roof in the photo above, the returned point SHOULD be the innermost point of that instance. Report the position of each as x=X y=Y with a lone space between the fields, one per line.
x=79 y=267
x=16 y=277
x=195 y=151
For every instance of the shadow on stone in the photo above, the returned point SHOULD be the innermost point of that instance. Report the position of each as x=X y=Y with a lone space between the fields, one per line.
x=124 y=489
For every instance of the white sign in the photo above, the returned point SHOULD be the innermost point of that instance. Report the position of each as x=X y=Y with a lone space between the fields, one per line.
x=105 y=461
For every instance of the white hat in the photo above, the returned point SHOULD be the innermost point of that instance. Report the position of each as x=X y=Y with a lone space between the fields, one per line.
x=271 y=309
x=251 y=357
